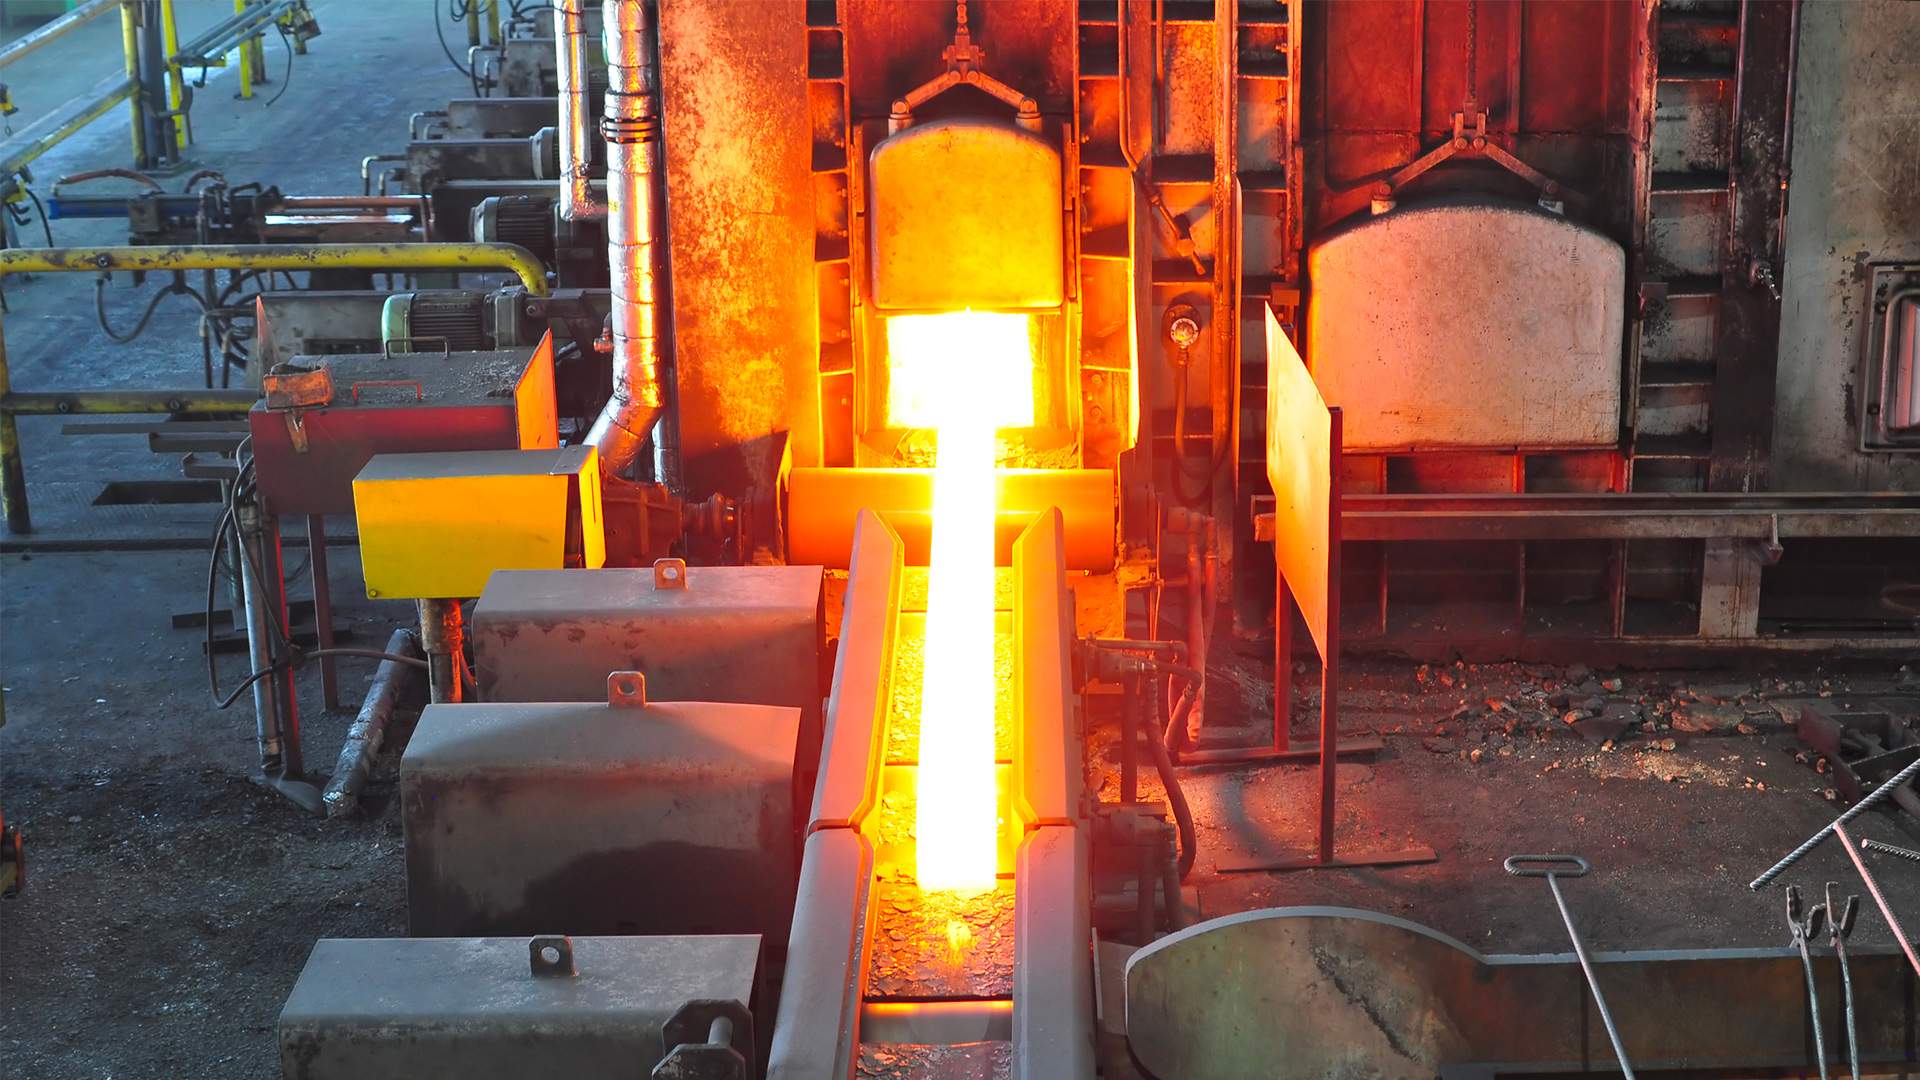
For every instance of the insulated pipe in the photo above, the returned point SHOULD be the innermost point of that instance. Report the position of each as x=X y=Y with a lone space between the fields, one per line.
x=389 y=684
x=577 y=199
x=632 y=130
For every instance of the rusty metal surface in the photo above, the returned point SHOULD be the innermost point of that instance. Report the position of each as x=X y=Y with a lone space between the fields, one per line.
x=739 y=188
x=893 y=48
x=472 y=1008
x=1381 y=81
x=566 y=818
x=1311 y=987
x=1747 y=353
x=966 y=215
x=406 y=403
x=1469 y=323
x=1854 y=203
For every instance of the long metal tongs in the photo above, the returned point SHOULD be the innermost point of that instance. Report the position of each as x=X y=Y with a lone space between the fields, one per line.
x=1839 y=929
x=1805 y=925
x=1543 y=866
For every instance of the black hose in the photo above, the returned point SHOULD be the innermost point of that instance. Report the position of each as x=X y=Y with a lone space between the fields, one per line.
x=441 y=34
x=100 y=307
x=1176 y=798
x=46 y=225
x=287 y=79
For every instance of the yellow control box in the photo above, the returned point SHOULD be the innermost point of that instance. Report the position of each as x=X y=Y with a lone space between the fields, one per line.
x=436 y=526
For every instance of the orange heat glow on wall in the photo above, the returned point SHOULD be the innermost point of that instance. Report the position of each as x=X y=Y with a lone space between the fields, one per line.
x=965 y=374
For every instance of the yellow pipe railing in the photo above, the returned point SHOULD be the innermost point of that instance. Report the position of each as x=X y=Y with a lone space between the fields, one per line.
x=47 y=132
x=57 y=29
x=13 y=480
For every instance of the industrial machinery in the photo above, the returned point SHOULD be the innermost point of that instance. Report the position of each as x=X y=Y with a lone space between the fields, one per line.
x=899 y=398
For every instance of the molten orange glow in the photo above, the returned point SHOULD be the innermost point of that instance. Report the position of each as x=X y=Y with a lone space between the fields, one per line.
x=967 y=374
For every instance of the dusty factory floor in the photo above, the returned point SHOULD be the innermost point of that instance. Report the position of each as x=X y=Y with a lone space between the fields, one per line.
x=170 y=902
x=1680 y=787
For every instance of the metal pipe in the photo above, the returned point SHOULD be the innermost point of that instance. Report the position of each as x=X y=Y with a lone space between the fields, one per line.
x=259 y=639
x=229 y=33
x=1872 y=799
x=45 y=133
x=443 y=636
x=58 y=29
x=390 y=681
x=578 y=201
x=631 y=127
x=1873 y=889
x=161 y=145
x=130 y=49
x=434 y=256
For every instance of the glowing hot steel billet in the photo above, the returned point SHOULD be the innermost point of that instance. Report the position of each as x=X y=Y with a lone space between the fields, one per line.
x=967 y=374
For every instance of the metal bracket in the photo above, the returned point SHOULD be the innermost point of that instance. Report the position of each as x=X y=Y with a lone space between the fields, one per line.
x=669 y=573
x=627 y=689
x=1469 y=137
x=550 y=957
x=725 y=1033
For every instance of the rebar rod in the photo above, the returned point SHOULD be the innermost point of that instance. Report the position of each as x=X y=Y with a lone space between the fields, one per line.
x=1872 y=799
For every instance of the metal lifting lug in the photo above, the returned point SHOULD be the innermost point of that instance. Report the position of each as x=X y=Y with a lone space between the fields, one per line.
x=726 y=1028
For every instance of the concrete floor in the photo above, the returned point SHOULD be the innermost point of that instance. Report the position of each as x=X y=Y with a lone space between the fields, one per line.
x=171 y=902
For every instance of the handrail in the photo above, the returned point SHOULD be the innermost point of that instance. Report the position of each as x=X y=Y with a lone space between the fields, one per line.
x=45 y=133
x=436 y=256
x=58 y=28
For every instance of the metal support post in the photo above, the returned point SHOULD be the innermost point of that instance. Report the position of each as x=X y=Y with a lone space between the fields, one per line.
x=443 y=635
x=274 y=582
x=246 y=57
x=130 y=47
x=259 y=638
x=322 y=608
x=153 y=87
x=170 y=38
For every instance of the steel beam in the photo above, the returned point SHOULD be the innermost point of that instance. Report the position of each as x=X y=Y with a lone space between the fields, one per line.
x=1053 y=1036
x=1623 y=516
x=817 y=1030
